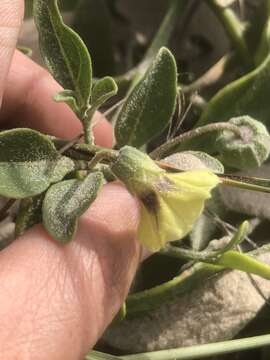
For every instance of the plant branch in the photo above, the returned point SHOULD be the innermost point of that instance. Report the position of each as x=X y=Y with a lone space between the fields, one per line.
x=161 y=38
x=169 y=145
x=206 y=255
x=110 y=155
x=211 y=76
x=234 y=28
x=190 y=278
x=202 y=351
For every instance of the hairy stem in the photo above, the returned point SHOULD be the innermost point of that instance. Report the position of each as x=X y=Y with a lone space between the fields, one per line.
x=234 y=28
x=169 y=145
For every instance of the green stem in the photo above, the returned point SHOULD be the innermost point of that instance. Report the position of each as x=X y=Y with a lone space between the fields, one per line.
x=207 y=255
x=87 y=127
x=234 y=29
x=161 y=38
x=211 y=76
x=189 y=279
x=150 y=299
x=246 y=183
x=164 y=33
x=110 y=155
x=162 y=150
x=206 y=350
x=187 y=254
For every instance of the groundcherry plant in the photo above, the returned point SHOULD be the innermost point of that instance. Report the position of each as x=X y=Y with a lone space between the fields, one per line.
x=56 y=181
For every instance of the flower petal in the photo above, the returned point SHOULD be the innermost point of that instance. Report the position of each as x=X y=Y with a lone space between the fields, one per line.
x=148 y=232
x=179 y=207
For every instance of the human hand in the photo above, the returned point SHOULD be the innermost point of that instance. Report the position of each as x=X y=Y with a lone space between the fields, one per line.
x=57 y=300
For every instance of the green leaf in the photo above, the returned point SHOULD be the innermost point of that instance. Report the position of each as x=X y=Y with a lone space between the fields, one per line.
x=103 y=90
x=238 y=261
x=190 y=160
x=245 y=96
x=68 y=97
x=65 y=202
x=264 y=44
x=151 y=104
x=29 y=163
x=64 y=52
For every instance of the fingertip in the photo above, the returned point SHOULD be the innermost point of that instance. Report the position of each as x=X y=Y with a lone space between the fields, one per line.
x=28 y=102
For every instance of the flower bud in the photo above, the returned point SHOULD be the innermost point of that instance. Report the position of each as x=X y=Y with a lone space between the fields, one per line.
x=247 y=152
x=170 y=202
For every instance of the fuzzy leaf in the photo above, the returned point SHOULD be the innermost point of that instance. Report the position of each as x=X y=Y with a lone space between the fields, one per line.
x=65 y=202
x=245 y=96
x=29 y=163
x=237 y=261
x=103 y=90
x=63 y=51
x=68 y=97
x=151 y=104
x=191 y=160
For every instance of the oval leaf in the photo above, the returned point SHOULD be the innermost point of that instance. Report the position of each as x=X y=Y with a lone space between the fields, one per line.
x=151 y=105
x=245 y=96
x=29 y=163
x=63 y=51
x=68 y=97
x=103 y=90
x=65 y=202
x=191 y=160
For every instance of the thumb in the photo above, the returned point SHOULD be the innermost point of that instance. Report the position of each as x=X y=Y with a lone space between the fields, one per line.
x=57 y=300
x=11 y=15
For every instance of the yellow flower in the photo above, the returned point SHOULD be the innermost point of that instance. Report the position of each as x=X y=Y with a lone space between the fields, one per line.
x=171 y=202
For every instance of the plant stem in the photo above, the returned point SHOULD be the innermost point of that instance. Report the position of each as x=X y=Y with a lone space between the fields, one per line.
x=206 y=350
x=70 y=144
x=161 y=38
x=5 y=208
x=164 y=33
x=206 y=255
x=169 y=145
x=234 y=29
x=195 y=275
x=246 y=183
x=114 y=107
x=87 y=126
x=110 y=155
x=211 y=76
x=150 y=299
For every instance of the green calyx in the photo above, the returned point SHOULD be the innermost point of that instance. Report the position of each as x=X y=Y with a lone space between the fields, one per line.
x=133 y=167
x=247 y=152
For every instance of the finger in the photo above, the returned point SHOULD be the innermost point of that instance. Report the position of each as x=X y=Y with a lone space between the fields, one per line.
x=28 y=102
x=57 y=300
x=11 y=15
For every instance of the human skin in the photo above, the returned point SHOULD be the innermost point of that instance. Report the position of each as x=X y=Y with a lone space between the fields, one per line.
x=56 y=301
